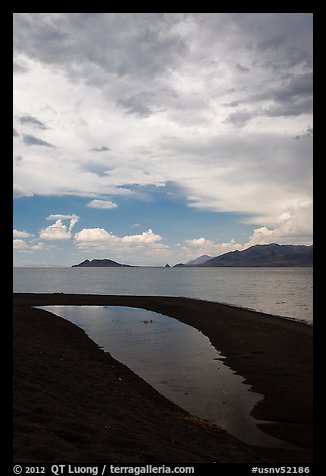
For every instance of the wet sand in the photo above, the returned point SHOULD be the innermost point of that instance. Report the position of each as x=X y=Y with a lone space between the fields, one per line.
x=74 y=403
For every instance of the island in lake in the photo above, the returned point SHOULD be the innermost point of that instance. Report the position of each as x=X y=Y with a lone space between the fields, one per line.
x=100 y=263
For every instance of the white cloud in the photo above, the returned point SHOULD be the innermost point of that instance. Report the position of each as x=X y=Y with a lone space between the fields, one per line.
x=105 y=204
x=166 y=91
x=53 y=230
x=59 y=216
x=57 y=231
x=99 y=239
x=23 y=246
x=73 y=222
x=293 y=226
x=20 y=191
x=194 y=81
x=92 y=236
x=39 y=246
x=198 y=242
x=21 y=234
x=144 y=238
x=203 y=246
x=19 y=244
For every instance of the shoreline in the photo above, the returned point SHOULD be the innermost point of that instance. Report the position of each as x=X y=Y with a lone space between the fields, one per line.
x=273 y=354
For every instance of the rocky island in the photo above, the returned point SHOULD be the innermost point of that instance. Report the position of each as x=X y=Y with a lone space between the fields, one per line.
x=99 y=263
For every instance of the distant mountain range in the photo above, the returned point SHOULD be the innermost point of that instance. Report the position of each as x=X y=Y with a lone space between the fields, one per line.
x=263 y=255
x=198 y=261
x=258 y=255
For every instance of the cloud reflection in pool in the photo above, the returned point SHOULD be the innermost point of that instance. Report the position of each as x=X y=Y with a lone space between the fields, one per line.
x=177 y=360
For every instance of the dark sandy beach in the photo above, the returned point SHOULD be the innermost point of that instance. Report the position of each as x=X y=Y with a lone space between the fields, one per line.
x=75 y=403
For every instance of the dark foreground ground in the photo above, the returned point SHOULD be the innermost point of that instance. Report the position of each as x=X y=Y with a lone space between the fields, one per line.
x=75 y=403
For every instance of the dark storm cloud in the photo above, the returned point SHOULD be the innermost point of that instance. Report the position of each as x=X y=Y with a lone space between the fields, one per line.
x=240 y=118
x=136 y=105
x=33 y=121
x=132 y=43
x=19 y=68
x=297 y=56
x=271 y=43
x=32 y=140
x=142 y=47
x=15 y=133
x=18 y=159
x=104 y=148
x=231 y=104
x=309 y=133
x=296 y=107
x=300 y=85
x=281 y=40
x=292 y=96
x=241 y=68
x=146 y=103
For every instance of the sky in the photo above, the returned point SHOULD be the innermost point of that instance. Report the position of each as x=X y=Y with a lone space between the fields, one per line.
x=154 y=138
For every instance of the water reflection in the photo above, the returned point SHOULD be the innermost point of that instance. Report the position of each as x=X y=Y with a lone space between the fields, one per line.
x=175 y=359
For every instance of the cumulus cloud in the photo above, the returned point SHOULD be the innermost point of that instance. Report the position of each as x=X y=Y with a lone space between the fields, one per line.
x=21 y=234
x=32 y=140
x=57 y=231
x=203 y=246
x=23 y=246
x=100 y=239
x=38 y=247
x=144 y=238
x=293 y=226
x=198 y=242
x=92 y=235
x=19 y=244
x=15 y=133
x=102 y=204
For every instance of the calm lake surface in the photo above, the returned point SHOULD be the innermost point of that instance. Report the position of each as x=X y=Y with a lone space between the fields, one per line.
x=177 y=360
x=280 y=291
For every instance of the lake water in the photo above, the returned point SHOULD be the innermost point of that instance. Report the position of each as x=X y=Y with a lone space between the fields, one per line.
x=280 y=291
x=178 y=361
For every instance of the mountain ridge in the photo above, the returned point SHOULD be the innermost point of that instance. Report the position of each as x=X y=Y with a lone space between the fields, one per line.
x=198 y=261
x=271 y=255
